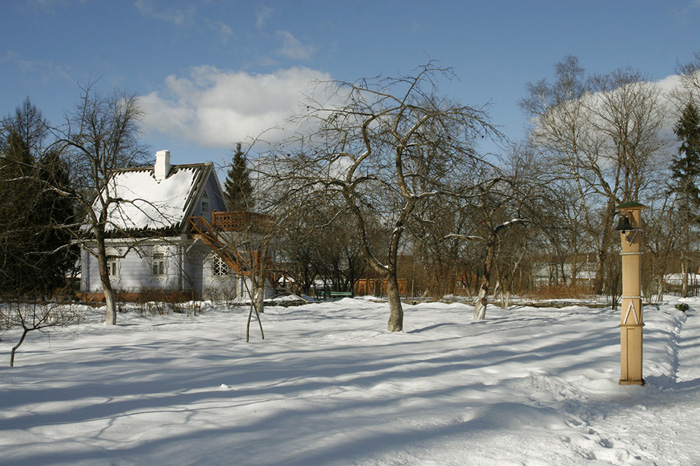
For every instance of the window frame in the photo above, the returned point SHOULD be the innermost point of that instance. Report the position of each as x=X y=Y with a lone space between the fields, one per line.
x=205 y=205
x=219 y=267
x=158 y=263
x=113 y=266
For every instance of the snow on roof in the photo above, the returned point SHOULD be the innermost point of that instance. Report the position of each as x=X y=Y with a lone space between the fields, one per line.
x=148 y=204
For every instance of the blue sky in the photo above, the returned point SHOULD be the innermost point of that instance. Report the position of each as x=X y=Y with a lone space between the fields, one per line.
x=214 y=72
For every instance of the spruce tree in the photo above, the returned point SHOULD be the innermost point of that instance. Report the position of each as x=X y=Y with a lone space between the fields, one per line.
x=685 y=170
x=56 y=221
x=17 y=195
x=35 y=218
x=238 y=188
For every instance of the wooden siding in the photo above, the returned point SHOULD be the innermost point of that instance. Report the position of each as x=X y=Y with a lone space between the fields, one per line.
x=195 y=275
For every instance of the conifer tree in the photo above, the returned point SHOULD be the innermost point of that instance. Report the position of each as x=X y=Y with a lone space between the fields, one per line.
x=685 y=170
x=16 y=196
x=238 y=188
x=57 y=220
x=35 y=219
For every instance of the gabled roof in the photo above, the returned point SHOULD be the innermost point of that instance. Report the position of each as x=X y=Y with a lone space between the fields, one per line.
x=146 y=204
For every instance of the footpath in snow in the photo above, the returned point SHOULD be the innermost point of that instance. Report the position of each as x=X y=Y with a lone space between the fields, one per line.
x=330 y=386
x=659 y=423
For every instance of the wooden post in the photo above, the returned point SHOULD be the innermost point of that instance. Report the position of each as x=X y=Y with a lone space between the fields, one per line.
x=632 y=322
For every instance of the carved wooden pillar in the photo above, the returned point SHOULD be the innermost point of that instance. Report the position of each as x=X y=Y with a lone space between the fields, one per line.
x=632 y=322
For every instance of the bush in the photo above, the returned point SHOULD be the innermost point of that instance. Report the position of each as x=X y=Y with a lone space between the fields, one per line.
x=161 y=302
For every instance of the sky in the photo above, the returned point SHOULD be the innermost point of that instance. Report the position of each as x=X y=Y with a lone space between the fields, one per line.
x=212 y=73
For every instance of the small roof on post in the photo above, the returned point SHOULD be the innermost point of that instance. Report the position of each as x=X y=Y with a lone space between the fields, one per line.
x=631 y=205
x=631 y=209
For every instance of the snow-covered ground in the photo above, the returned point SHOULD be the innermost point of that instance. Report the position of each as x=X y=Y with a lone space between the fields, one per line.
x=329 y=386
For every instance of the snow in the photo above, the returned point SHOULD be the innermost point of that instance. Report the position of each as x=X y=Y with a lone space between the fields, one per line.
x=148 y=203
x=677 y=278
x=330 y=386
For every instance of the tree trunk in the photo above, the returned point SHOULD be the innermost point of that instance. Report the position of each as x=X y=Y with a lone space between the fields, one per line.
x=599 y=272
x=14 y=348
x=257 y=303
x=395 y=308
x=259 y=295
x=110 y=301
x=110 y=304
x=660 y=285
x=257 y=316
x=605 y=244
x=481 y=299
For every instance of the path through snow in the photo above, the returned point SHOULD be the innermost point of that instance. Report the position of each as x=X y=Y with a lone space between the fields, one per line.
x=330 y=387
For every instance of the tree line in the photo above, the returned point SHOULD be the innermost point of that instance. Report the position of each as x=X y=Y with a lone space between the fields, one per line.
x=401 y=170
x=389 y=178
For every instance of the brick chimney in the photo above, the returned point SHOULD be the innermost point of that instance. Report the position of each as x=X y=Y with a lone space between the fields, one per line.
x=162 y=167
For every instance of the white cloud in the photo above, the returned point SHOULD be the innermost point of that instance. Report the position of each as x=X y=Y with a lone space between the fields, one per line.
x=293 y=48
x=263 y=14
x=666 y=98
x=217 y=108
x=224 y=30
x=45 y=70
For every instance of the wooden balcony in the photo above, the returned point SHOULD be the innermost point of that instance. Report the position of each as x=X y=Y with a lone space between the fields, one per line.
x=241 y=220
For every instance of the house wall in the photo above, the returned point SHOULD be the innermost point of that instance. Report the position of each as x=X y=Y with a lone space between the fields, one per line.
x=215 y=197
x=215 y=194
x=134 y=268
x=188 y=267
x=200 y=276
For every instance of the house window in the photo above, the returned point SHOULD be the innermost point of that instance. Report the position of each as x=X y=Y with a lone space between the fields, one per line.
x=158 y=264
x=113 y=266
x=219 y=267
x=206 y=208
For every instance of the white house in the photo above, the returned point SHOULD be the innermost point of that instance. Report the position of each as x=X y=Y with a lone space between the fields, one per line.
x=152 y=246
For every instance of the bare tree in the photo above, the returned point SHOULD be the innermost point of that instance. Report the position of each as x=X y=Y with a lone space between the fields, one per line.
x=604 y=134
x=242 y=240
x=340 y=262
x=690 y=78
x=663 y=225
x=299 y=249
x=384 y=150
x=31 y=316
x=317 y=243
x=99 y=136
x=438 y=254
x=491 y=204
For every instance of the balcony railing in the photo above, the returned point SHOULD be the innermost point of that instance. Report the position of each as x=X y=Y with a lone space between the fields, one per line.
x=241 y=220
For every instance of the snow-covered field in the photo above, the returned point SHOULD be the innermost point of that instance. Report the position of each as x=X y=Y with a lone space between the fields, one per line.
x=329 y=386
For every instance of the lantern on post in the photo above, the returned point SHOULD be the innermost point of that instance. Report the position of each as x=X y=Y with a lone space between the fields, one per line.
x=632 y=321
